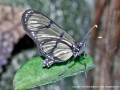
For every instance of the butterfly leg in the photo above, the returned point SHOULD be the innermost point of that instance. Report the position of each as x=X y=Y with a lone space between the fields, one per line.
x=84 y=62
x=65 y=69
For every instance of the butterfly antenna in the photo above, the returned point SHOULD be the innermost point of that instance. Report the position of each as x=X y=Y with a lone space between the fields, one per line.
x=85 y=72
x=90 y=31
x=99 y=37
x=65 y=69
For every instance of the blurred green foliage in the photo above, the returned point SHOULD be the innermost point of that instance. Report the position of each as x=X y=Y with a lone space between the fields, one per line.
x=42 y=76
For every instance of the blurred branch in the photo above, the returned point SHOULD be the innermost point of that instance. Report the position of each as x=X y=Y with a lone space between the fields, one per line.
x=98 y=13
x=107 y=17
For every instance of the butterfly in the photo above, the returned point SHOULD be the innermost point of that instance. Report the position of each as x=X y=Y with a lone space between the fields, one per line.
x=53 y=42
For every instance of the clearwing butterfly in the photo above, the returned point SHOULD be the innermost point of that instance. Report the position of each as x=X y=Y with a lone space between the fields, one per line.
x=53 y=42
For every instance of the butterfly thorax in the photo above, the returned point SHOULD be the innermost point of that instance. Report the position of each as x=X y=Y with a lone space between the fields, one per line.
x=77 y=49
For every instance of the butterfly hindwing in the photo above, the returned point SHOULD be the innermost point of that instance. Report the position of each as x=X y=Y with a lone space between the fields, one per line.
x=61 y=53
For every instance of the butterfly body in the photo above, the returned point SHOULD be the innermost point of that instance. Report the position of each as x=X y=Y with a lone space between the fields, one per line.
x=53 y=42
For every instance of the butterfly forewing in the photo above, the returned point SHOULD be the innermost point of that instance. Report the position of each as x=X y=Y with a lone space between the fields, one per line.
x=39 y=27
x=36 y=22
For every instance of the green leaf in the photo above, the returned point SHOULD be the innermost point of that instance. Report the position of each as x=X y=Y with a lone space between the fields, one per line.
x=32 y=74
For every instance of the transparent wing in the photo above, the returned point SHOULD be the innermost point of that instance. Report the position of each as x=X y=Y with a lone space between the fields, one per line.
x=63 y=51
x=40 y=28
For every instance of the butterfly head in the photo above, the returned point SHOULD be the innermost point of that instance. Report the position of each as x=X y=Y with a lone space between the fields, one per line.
x=80 y=45
x=78 y=48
